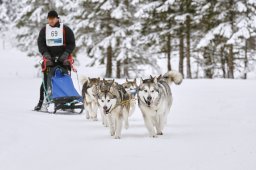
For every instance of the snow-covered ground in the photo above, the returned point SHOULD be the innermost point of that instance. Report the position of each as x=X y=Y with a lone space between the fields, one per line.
x=211 y=126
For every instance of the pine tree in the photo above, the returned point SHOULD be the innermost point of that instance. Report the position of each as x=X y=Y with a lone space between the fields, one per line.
x=4 y=20
x=129 y=36
x=232 y=27
x=106 y=32
x=94 y=28
x=3 y=16
x=206 y=21
x=157 y=27
x=8 y=13
x=31 y=17
x=29 y=22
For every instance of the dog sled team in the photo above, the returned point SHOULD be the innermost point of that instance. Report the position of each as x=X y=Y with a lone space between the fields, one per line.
x=116 y=102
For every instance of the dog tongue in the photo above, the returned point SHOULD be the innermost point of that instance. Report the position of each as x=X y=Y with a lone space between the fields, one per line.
x=147 y=102
x=107 y=110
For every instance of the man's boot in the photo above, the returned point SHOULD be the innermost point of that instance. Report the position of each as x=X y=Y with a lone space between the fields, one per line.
x=39 y=105
x=45 y=106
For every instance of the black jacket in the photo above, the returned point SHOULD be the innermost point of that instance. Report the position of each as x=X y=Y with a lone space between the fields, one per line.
x=57 y=50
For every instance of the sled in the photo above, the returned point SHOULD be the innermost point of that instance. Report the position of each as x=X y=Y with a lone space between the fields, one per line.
x=61 y=91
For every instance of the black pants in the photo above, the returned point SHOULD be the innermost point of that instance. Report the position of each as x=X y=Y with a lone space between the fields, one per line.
x=43 y=87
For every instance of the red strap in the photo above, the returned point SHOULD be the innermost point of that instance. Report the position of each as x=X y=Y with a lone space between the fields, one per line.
x=44 y=64
x=71 y=62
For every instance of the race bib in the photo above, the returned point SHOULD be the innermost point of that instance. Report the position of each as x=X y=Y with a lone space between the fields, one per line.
x=54 y=35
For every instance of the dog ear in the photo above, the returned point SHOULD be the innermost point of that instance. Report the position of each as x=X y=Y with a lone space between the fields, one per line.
x=135 y=81
x=104 y=81
x=89 y=80
x=141 y=80
x=155 y=80
x=111 y=82
x=111 y=89
x=151 y=77
x=97 y=95
x=159 y=77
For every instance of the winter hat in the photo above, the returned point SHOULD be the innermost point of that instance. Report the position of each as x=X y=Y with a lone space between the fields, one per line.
x=52 y=14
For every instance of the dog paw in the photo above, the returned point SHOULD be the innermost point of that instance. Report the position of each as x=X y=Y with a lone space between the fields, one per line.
x=95 y=119
x=112 y=133
x=87 y=116
x=153 y=136
x=159 y=133
x=117 y=137
x=126 y=126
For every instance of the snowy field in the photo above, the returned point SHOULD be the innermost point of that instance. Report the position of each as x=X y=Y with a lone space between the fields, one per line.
x=211 y=126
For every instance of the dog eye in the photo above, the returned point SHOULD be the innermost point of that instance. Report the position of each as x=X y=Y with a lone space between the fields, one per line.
x=152 y=91
x=102 y=101
x=108 y=100
x=145 y=91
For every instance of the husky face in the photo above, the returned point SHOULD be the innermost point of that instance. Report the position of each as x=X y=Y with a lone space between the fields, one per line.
x=148 y=91
x=105 y=85
x=130 y=87
x=107 y=101
x=92 y=85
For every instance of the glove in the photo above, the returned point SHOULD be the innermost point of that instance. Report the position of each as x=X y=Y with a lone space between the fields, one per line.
x=47 y=56
x=48 y=59
x=66 y=63
x=63 y=57
x=49 y=63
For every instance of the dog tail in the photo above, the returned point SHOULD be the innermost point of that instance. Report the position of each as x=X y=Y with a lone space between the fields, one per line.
x=173 y=76
x=83 y=79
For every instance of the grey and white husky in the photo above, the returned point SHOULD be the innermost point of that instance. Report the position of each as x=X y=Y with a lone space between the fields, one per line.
x=89 y=93
x=104 y=85
x=131 y=89
x=155 y=100
x=114 y=102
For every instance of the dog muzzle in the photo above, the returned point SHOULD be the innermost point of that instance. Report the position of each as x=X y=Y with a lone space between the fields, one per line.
x=148 y=102
x=106 y=110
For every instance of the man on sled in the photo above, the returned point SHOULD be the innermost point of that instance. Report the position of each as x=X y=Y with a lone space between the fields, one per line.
x=56 y=42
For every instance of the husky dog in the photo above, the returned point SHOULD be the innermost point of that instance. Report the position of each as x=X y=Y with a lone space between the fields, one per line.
x=131 y=89
x=114 y=102
x=155 y=100
x=104 y=85
x=89 y=93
